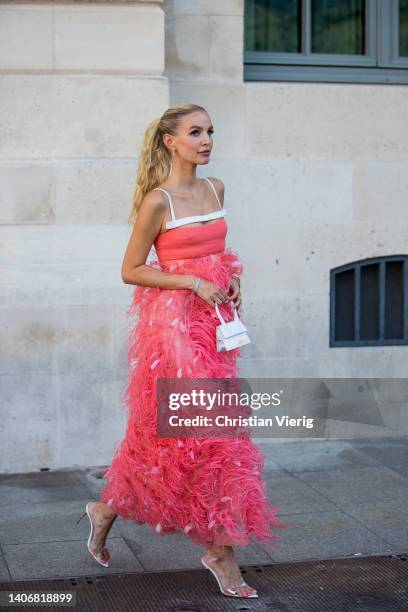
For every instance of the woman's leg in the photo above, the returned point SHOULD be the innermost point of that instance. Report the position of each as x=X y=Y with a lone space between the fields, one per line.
x=222 y=560
x=103 y=518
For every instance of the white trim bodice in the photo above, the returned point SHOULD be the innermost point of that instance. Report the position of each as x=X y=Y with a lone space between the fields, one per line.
x=193 y=218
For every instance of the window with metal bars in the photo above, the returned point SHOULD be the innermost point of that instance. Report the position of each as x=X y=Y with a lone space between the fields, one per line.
x=369 y=302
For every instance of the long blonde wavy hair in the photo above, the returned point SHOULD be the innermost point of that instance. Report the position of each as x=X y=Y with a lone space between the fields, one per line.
x=155 y=159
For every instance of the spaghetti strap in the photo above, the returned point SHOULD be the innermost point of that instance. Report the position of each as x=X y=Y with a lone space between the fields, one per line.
x=173 y=216
x=214 y=190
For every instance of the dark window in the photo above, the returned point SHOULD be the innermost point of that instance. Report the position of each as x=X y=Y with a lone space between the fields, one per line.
x=345 y=305
x=338 y=27
x=403 y=28
x=394 y=300
x=326 y=40
x=369 y=302
x=273 y=27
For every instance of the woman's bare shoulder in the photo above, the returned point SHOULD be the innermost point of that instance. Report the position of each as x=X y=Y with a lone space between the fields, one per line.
x=219 y=187
x=155 y=201
x=217 y=182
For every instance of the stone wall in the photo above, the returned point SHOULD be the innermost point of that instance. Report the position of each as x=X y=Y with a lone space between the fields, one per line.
x=79 y=83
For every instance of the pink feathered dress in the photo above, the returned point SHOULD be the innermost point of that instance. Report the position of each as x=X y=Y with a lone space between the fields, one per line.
x=211 y=489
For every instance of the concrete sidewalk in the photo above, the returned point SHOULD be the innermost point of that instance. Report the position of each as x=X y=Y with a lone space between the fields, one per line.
x=340 y=498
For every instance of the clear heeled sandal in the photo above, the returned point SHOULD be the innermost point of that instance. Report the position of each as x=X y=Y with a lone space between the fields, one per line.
x=231 y=591
x=102 y=557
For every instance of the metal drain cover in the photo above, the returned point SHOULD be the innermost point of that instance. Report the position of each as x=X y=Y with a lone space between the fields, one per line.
x=366 y=584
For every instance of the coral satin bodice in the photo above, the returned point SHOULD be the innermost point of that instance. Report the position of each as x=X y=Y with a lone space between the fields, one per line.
x=191 y=241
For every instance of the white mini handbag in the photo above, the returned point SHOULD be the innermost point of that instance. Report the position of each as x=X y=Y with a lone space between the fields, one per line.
x=230 y=334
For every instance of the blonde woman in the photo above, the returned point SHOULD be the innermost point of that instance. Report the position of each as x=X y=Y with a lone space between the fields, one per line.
x=211 y=489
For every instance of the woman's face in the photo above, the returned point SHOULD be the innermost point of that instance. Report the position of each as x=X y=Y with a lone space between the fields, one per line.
x=194 y=137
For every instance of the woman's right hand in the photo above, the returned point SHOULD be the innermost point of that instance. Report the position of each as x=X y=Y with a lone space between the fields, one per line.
x=211 y=293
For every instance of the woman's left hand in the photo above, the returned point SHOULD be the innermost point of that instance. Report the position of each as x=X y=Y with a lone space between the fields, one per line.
x=235 y=296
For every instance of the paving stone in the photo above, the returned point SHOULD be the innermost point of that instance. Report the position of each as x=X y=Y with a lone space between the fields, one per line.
x=388 y=518
x=319 y=455
x=326 y=535
x=390 y=452
x=292 y=495
x=46 y=522
x=41 y=487
x=345 y=486
x=69 y=558
x=4 y=573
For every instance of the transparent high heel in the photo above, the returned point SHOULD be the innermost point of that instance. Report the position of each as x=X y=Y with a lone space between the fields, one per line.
x=103 y=556
x=231 y=591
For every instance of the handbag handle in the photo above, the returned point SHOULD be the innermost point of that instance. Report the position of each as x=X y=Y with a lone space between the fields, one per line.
x=220 y=315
